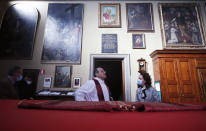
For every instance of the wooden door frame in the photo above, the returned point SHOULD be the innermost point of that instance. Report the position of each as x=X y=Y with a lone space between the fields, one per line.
x=126 y=70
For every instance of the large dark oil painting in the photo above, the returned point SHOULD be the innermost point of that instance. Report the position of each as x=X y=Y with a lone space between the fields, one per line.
x=63 y=33
x=18 y=31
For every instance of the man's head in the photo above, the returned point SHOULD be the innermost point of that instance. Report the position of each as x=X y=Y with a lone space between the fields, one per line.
x=100 y=73
x=16 y=73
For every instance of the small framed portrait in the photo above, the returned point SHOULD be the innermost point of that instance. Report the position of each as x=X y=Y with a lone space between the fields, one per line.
x=47 y=82
x=62 y=77
x=109 y=15
x=77 y=82
x=140 y=17
x=181 y=25
x=138 y=41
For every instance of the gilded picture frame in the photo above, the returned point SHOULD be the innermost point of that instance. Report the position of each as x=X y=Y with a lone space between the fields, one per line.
x=138 y=41
x=109 y=15
x=181 y=26
x=63 y=33
x=62 y=77
x=139 y=17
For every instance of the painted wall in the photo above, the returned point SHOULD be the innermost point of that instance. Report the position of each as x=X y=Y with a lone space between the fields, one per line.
x=91 y=41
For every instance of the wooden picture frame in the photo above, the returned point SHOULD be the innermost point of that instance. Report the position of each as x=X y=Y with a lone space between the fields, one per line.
x=181 y=26
x=109 y=15
x=77 y=82
x=139 y=17
x=17 y=34
x=62 y=77
x=138 y=41
x=63 y=34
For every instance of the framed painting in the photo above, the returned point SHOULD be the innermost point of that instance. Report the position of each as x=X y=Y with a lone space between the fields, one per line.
x=138 y=41
x=62 y=77
x=17 y=32
x=181 y=25
x=140 y=17
x=109 y=15
x=77 y=82
x=63 y=34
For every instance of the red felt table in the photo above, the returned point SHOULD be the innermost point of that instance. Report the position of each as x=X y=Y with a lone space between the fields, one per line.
x=14 y=119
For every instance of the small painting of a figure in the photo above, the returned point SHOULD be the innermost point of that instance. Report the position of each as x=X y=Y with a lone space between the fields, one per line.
x=138 y=41
x=62 y=76
x=109 y=15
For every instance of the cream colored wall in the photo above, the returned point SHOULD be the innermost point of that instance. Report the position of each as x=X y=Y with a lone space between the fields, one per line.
x=91 y=41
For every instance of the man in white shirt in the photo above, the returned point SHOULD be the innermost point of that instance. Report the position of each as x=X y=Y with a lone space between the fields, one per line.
x=94 y=90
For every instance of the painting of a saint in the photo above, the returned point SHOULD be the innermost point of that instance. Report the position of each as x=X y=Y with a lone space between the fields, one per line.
x=138 y=41
x=109 y=15
x=181 y=25
x=63 y=33
x=140 y=17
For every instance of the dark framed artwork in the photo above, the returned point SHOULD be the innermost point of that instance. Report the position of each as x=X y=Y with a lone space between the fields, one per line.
x=109 y=43
x=63 y=33
x=17 y=32
x=77 y=82
x=62 y=77
x=181 y=25
x=138 y=41
x=140 y=17
x=109 y=15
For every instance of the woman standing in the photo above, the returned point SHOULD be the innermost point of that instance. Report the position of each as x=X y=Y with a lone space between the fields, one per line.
x=145 y=92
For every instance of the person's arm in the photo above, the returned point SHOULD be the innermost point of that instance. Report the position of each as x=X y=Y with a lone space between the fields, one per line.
x=82 y=93
x=155 y=95
x=137 y=96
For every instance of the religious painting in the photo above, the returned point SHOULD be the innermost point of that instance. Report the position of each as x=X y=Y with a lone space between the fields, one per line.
x=109 y=43
x=17 y=32
x=138 y=41
x=63 y=33
x=76 y=82
x=62 y=77
x=109 y=15
x=140 y=17
x=181 y=25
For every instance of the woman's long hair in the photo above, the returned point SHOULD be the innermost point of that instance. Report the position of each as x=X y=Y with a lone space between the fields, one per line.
x=147 y=78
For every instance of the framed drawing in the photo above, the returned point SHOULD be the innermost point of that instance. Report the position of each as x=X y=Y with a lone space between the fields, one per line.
x=77 y=82
x=109 y=15
x=138 y=41
x=62 y=77
x=181 y=25
x=17 y=32
x=63 y=33
x=140 y=17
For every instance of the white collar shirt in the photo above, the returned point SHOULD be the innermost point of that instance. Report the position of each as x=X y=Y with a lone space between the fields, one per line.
x=88 y=91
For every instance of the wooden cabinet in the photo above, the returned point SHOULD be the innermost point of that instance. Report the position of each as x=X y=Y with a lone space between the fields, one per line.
x=182 y=74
